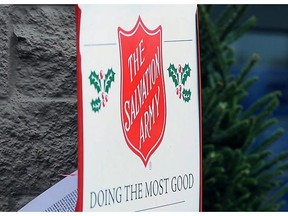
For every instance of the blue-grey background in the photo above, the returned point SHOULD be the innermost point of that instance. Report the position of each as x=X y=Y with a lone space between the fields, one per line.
x=38 y=115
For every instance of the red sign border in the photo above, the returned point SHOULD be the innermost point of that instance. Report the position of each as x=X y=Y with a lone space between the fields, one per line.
x=79 y=204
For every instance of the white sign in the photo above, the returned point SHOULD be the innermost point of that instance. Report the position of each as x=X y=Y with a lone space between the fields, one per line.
x=138 y=108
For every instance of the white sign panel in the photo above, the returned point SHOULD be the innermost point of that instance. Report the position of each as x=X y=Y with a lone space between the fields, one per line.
x=139 y=108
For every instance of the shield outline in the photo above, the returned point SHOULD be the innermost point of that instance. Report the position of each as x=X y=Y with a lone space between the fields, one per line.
x=158 y=30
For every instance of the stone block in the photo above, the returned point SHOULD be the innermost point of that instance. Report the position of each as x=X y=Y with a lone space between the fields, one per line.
x=4 y=54
x=38 y=143
x=46 y=47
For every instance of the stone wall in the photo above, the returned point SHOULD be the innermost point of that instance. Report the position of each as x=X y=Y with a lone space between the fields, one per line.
x=38 y=111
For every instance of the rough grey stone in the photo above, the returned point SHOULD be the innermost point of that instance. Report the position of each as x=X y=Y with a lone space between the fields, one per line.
x=4 y=202
x=38 y=143
x=4 y=53
x=18 y=201
x=46 y=50
x=38 y=118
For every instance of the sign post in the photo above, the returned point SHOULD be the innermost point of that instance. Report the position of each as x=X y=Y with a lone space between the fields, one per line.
x=139 y=108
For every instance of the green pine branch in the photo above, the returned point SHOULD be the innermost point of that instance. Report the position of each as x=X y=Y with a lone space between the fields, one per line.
x=240 y=173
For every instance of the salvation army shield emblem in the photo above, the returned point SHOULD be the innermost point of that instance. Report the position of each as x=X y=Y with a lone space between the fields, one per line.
x=143 y=100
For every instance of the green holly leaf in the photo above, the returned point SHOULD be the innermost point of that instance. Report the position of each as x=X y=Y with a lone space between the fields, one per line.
x=95 y=80
x=185 y=73
x=186 y=95
x=96 y=104
x=173 y=73
x=109 y=78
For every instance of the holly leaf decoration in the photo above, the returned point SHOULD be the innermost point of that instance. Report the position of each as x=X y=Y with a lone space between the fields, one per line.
x=109 y=78
x=173 y=73
x=186 y=95
x=185 y=73
x=96 y=104
x=95 y=80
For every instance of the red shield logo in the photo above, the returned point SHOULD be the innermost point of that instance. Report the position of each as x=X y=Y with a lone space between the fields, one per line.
x=143 y=102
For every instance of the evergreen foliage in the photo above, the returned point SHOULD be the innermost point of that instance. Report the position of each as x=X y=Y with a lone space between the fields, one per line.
x=240 y=173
